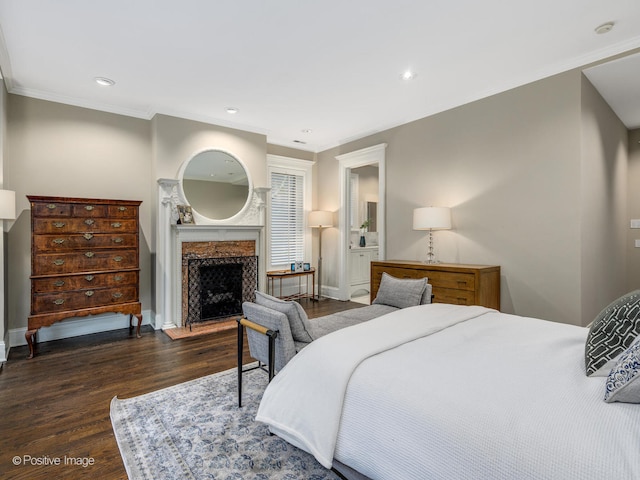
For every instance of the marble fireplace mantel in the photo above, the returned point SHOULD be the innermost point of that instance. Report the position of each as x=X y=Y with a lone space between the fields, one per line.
x=170 y=238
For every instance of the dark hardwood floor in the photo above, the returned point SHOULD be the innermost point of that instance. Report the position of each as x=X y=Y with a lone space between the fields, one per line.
x=56 y=405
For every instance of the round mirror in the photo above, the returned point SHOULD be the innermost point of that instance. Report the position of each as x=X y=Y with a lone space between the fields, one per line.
x=215 y=184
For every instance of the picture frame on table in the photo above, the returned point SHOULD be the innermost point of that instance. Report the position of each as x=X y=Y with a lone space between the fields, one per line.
x=297 y=267
x=306 y=266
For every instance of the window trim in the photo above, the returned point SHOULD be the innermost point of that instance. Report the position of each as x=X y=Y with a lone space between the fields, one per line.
x=291 y=166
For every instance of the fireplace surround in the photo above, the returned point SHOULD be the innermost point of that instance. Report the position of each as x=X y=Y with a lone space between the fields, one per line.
x=209 y=240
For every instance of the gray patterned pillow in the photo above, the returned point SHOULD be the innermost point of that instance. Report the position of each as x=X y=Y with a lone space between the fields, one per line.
x=298 y=320
x=400 y=292
x=611 y=333
x=623 y=383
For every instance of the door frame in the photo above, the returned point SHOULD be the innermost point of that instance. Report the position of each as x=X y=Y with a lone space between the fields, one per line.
x=359 y=158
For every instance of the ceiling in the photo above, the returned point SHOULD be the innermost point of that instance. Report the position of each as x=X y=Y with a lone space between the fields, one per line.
x=309 y=75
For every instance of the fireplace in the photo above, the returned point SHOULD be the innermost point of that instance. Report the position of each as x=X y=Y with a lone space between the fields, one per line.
x=217 y=276
x=218 y=286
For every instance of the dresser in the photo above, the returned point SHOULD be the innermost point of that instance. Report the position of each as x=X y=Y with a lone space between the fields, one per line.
x=84 y=260
x=452 y=283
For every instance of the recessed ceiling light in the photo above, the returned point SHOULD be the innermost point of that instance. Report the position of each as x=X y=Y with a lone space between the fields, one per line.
x=408 y=75
x=104 y=81
x=604 y=28
x=306 y=130
x=232 y=110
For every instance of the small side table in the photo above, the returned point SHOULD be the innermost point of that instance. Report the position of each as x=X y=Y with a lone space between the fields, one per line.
x=280 y=274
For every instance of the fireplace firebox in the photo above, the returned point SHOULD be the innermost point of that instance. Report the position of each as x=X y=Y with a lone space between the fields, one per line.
x=218 y=286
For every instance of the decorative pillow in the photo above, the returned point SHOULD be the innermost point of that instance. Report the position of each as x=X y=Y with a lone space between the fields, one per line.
x=623 y=383
x=611 y=333
x=298 y=320
x=400 y=292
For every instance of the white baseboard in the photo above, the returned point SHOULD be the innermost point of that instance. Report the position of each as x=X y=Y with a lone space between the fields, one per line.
x=79 y=326
x=330 y=292
x=4 y=351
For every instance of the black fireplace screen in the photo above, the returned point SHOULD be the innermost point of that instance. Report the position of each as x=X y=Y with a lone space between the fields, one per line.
x=218 y=286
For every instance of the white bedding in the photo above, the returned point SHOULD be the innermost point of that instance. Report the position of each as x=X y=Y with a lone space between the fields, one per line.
x=492 y=396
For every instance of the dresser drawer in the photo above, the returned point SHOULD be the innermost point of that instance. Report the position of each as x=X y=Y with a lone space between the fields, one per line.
x=63 y=283
x=456 y=297
x=59 y=302
x=50 y=209
x=123 y=211
x=453 y=280
x=84 y=261
x=61 y=243
x=91 y=225
x=88 y=210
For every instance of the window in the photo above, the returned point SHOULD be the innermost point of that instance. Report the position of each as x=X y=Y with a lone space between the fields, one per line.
x=289 y=204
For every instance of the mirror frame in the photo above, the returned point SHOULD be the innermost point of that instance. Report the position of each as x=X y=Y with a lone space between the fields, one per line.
x=198 y=217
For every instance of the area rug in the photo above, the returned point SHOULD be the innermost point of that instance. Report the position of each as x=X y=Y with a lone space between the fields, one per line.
x=195 y=430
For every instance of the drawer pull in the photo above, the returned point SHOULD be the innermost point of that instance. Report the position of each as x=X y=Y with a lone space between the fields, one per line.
x=88 y=236
x=117 y=259
x=116 y=224
x=58 y=301
x=118 y=278
x=51 y=206
x=59 y=241
x=89 y=221
x=117 y=295
x=58 y=262
x=89 y=278
x=89 y=254
x=117 y=240
x=122 y=209
x=88 y=293
x=58 y=283
x=88 y=208
x=59 y=224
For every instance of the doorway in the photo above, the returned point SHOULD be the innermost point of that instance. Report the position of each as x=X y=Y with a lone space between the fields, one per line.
x=358 y=213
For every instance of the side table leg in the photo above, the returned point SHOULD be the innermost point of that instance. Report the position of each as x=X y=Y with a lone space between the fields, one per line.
x=30 y=336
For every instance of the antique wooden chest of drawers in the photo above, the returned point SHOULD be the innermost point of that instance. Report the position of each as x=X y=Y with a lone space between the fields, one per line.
x=452 y=283
x=84 y=260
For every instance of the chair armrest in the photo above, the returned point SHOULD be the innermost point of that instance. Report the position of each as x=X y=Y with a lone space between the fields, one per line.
x=266 y=318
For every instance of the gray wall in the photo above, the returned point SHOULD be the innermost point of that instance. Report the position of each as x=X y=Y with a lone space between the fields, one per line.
x=603 y=201
x=510 y=166
x=633 y=211
x=60 y=150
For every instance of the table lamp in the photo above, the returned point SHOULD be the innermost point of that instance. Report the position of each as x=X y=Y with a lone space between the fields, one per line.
x=431 y=218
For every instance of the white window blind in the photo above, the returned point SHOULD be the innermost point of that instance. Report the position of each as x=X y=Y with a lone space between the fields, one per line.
x=287 y=218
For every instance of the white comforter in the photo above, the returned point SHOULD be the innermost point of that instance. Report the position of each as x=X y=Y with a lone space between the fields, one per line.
x=478 y=395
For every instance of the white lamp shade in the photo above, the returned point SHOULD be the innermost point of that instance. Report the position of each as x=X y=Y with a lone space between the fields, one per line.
x=7 y=205
x=432 y=218
x=320 y=218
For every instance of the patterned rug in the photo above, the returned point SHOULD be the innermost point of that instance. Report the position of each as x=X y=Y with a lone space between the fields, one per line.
x=195 y=430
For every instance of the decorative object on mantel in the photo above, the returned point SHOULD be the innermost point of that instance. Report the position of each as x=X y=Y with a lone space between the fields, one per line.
x=431 y=218
x=320 y=219
x=185 y=215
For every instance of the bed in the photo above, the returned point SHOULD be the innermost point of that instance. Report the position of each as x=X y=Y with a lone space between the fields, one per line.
x=443 y=391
